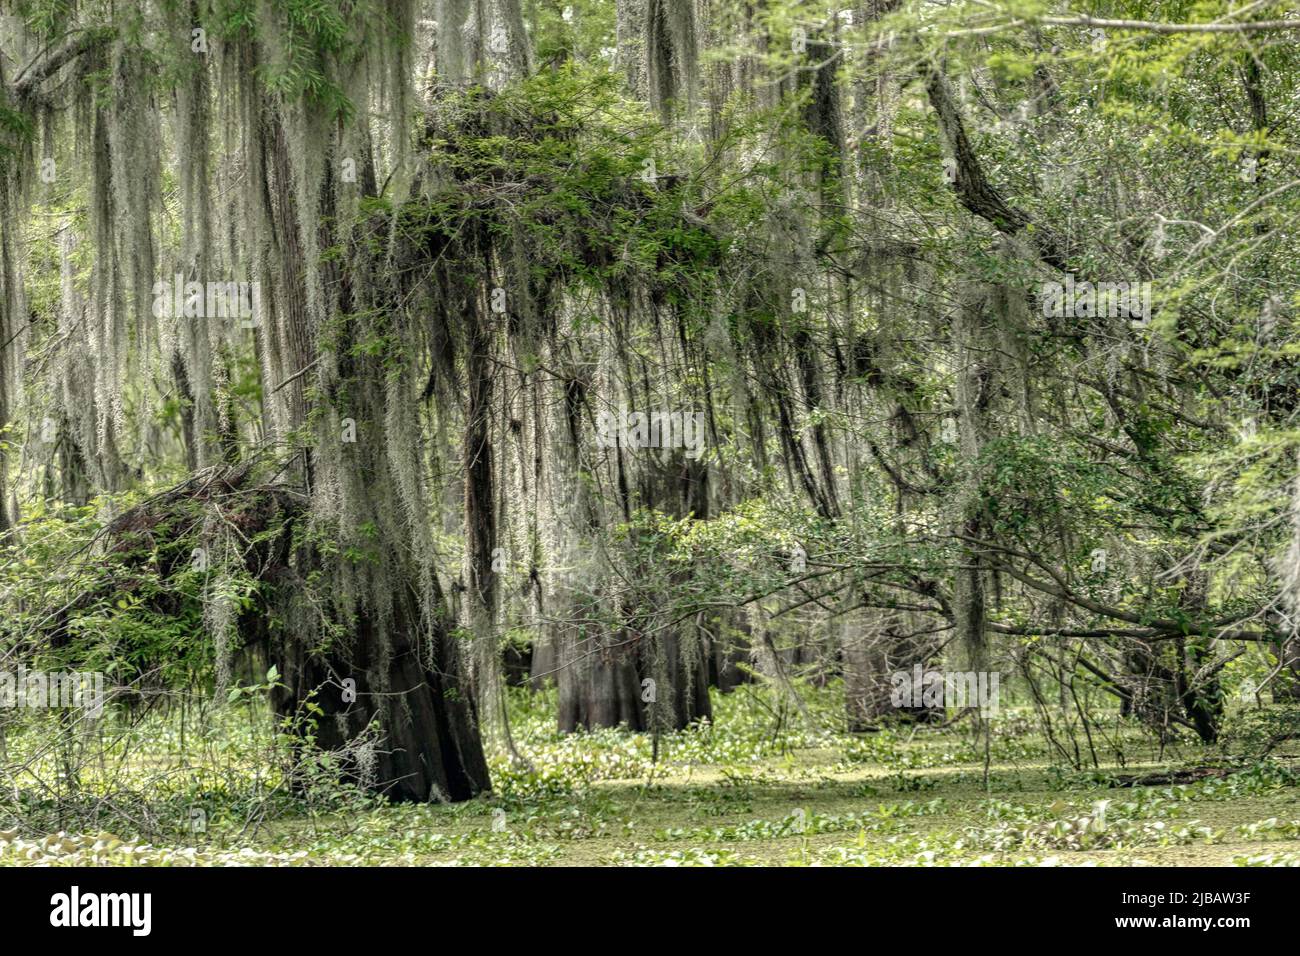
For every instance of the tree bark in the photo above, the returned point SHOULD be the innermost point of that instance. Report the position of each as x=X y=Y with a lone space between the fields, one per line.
x=430 y=749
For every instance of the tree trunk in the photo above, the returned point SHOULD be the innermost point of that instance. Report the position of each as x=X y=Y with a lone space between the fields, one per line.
x=599 y=686
x=541 y=671
x=687 y=698
x=728 y=650
x=397 y=710
x=430 y=748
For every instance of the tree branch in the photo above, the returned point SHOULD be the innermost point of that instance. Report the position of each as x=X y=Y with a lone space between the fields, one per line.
x=49 y=62
x=972 y=186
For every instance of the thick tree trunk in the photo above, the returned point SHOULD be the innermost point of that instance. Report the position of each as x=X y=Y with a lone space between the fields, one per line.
x=541 y=671
x=599 y=686
x=866 y=685
x=430 y=748
x=685 y=700
x=873 y=650
x=396 y=706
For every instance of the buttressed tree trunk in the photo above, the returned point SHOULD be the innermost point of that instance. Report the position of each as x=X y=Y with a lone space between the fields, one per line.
x=391 y=659
x=427 y=747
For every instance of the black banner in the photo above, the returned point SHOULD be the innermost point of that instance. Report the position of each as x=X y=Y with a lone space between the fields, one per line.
x=340 y=906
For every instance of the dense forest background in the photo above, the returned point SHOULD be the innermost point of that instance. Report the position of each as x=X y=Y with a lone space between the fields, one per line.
x=388 y=385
